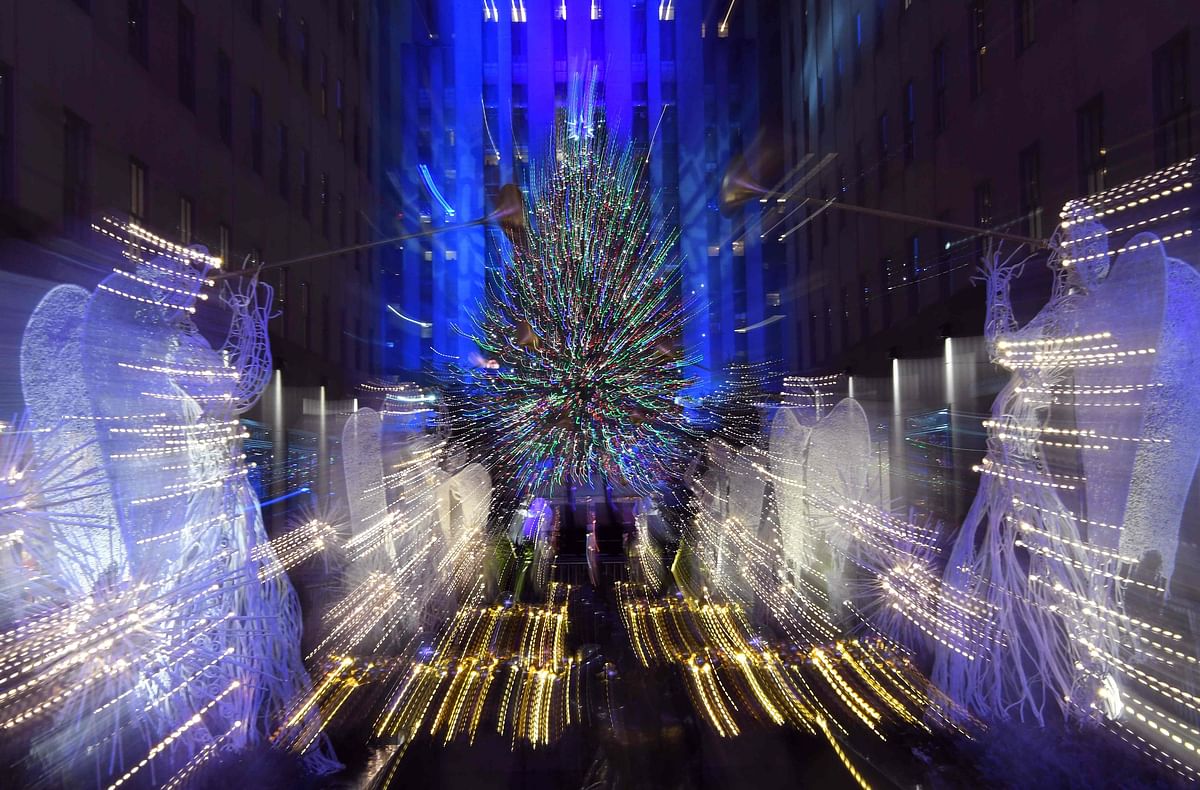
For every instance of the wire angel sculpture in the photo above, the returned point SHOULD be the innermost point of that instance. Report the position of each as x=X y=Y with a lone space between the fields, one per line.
x=1020 y=556
x=247 y=347
x=153 y=631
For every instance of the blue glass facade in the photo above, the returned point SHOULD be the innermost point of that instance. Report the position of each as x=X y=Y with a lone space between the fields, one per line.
x=471 y=90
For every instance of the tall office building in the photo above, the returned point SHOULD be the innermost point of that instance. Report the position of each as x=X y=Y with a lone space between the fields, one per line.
x=913 y=123
x=977 y=114
x=244 y=125
x=470 y=93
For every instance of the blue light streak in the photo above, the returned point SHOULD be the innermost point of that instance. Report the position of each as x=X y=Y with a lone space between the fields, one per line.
x=427 y=177
x=297 y=492
x=422 y=324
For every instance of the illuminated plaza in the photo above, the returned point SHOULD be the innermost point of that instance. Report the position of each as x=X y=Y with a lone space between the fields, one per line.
x=599 y=393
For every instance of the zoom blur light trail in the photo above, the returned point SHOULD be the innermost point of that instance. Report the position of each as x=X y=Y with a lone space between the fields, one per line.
x=581 y=369
x=510 y=660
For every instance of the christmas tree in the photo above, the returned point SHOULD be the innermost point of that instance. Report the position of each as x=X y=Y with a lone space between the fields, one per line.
x=580 y=365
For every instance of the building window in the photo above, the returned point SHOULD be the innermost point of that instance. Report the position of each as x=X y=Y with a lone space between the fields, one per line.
x=186 y=212
x=809 y=232
x=358 y=345
x=983 y=214
x=325 y=204
x=491 y=40
x=138 y=21
x=354 y=143
x=339 y=104
x=256 y=11
x=326 y=333
x=910 y=122
x=281 y=33
x=837 y=78
x=812 y=340
x=883 y=149
x=305 y=184
x=912 y=273
x=637 y=31
x=885 y=291
x=520 y=44
x=858 y=38
x=666 y=39
x=939 y=88
x=1029 y=167
x=841 y=196
x=598 y=47
x=864 y=310
x=803 y=23
x=804 y=119
x=828 y=345
x=256 y=132
x=358 y=237
x=341 y=212
x=303 y=51
x=284 y=177
x=520 y=130
x=944 y=259
x=1093 y=156
x=976 y=44
x=137 y=189
x=820 y=104
x=860 y=173
x=983 y=204
x=559 y=35
x=1172 y=102
x=344 y=336
x=224 y=242
x=282 y=296
x=304 y=314
x=6 y=135
x=225 y=99
x=187 y=57
x=1024 y=24
x=641 y=126
x=491 y=177
x=824 y=217
x=77 y=175
x=323 y=93
x=879 y=8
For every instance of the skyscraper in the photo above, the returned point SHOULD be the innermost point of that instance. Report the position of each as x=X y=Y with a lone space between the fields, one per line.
x=470 y=93
x=981 y=115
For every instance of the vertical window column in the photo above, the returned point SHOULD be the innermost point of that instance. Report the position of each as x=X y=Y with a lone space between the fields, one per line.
x=1093 y=156
x=186 y=54
x=1172 y=102
x=186 y=219
x=137 y=189
x=976 y=44
x=77 y=173
x=7 y=186
x=256 y=132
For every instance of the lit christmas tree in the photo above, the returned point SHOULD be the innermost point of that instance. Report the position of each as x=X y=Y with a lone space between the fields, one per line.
x=579 y=333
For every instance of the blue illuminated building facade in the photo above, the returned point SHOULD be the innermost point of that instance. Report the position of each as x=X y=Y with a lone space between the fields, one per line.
x=470 y=93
